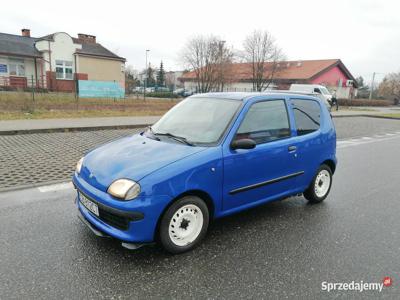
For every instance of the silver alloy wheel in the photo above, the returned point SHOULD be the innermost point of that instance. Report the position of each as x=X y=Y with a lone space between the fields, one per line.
x=185 y=225
x=322 y=183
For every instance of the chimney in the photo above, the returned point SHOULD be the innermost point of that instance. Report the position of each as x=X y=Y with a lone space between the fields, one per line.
x=26 y=32
x=86 y=38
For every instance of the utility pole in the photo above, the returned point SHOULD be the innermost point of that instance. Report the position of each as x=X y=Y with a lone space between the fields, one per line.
x=372 y=86
x=145 y=79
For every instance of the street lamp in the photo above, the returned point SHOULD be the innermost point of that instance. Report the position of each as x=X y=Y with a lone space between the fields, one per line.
x=145 y=78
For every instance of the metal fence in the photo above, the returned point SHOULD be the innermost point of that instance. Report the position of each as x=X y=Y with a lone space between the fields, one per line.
x=18 y=83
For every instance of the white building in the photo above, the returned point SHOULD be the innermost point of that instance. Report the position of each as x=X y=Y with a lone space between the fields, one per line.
x=55 y=61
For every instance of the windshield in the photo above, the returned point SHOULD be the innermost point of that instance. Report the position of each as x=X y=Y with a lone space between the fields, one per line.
x=198 y=120
x=325 y=91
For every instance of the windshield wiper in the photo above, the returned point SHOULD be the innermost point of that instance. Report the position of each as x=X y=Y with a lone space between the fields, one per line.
x=175 y=137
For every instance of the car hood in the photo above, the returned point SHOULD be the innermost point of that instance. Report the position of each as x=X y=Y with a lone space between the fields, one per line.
x=132 y=157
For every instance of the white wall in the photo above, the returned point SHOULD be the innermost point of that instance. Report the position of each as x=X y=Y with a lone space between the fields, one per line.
x=62 y=48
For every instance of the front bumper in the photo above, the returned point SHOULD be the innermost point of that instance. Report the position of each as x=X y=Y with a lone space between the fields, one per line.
x=132 y=221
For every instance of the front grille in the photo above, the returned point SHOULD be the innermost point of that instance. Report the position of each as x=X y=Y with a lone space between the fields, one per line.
x=108 y=217
x=113 y=220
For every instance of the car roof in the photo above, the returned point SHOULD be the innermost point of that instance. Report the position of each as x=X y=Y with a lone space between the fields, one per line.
x=245 y=96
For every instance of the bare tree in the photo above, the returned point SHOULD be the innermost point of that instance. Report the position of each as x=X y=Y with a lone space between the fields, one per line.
x=390 y=87
x=262 y=52
x=131 y=79
x=209 y=58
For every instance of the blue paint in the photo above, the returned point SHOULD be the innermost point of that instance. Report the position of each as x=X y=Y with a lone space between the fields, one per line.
x=100 y=89
x=165 y=170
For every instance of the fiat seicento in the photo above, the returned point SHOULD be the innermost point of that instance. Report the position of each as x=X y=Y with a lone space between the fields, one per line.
x=210 y=156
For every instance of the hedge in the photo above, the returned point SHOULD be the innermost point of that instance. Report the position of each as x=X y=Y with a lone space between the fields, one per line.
x=162 y=95
x=364 y=102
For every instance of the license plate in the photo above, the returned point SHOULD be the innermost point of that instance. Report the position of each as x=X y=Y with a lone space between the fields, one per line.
x=90 y=205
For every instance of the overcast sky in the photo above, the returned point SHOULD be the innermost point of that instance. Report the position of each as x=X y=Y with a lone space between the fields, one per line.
x=364 y=34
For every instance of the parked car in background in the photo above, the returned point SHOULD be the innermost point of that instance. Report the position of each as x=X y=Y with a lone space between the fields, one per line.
x=179 y=92
x=183 y=92
x=188 y=93
x=162 y=89
x=150 y=90
x=139 y=89
x=319 y=90
x=210 y=156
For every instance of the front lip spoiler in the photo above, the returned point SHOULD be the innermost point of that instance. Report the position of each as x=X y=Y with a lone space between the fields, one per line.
x=91 y=227
x=127 y=245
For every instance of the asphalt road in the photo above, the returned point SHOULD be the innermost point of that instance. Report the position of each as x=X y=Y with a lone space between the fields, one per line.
x=280 y=250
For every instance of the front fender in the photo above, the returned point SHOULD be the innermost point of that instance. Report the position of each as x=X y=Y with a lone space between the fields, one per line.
x=201 y=171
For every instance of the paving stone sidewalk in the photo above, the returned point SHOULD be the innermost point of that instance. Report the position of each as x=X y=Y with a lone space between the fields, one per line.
x=38 y=158
x=83 y=124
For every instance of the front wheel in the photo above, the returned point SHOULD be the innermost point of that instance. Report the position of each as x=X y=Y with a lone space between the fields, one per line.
x=320 y=185
x=184 y=224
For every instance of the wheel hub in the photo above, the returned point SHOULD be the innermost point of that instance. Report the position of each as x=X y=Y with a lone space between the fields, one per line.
x=322 y=183
x=185 y=225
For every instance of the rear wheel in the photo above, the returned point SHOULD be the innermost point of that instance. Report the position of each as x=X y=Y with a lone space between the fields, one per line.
x=320 y=185
x=184 y=224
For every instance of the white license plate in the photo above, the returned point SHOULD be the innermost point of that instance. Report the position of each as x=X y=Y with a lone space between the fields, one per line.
x=90 y=205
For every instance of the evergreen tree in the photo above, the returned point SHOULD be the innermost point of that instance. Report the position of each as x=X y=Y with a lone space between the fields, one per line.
x=360 y=81
x=161 y=75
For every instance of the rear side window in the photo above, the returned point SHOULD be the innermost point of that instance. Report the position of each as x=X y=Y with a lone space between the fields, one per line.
x=265 y=122
x=307 y=115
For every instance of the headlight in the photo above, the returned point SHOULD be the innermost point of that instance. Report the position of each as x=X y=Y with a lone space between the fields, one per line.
x=124 y=189
x=79 y=165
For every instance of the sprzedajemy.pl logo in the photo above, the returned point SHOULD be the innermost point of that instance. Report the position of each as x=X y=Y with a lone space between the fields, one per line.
x=359 y=286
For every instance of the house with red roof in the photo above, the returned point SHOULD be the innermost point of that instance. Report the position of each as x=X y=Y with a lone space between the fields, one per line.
x=331 y=73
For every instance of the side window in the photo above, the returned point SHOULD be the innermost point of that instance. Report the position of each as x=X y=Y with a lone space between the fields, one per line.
x=307 y=115
x=317 y=90
x=264 y=122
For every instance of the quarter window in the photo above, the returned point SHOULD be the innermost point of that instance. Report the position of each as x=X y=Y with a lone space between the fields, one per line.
x=265 y=122
x=64 y=69
x=307 y=115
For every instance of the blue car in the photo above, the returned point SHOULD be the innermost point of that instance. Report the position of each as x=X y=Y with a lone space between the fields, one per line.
x=210 y=156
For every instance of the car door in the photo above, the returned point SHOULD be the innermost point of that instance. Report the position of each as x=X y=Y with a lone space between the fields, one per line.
x=308 y=140
x=267 y=171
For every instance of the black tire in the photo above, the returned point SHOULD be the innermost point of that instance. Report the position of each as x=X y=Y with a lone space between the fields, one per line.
x=166 y=224
x=310 y=193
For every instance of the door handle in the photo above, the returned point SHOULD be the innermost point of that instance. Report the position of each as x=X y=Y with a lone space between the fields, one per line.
x=292 y=148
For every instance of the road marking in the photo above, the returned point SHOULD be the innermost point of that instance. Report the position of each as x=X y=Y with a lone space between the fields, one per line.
x=55 y=187
x=366 y=140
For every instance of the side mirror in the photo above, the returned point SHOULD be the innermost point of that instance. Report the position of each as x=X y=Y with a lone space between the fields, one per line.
x=243 y=144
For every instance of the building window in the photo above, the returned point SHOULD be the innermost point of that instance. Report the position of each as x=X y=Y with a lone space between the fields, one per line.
x=17 y=67
x=3 y=68
x=64 y=69
x=307 y=116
